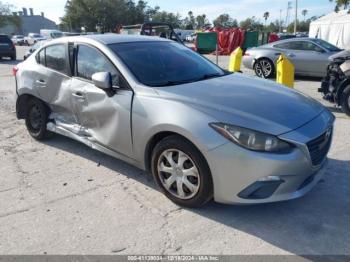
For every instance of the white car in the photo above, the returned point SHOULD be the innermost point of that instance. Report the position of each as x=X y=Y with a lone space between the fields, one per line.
x=191 y=38
x=33 y=38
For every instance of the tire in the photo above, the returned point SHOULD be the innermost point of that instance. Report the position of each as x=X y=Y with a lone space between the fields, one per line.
x=345 y=101
x=36 y=119
x=196 y=186
x=269 y=70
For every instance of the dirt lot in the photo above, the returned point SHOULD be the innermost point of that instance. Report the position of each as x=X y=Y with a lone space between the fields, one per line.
x=60 y=197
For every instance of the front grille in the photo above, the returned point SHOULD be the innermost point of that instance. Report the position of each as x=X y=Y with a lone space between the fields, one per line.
x=319 y=147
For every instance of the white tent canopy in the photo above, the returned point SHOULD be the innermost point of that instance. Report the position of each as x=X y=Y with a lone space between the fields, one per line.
x=334 y=28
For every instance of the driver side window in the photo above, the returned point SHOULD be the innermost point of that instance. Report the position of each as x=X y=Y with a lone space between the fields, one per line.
x=91 y=61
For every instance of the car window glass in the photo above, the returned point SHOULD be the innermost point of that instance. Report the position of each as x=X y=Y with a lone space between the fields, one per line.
x=91 y=61
x=307 y=46
x=41 y=57
x=5 y=39
x=300 y=45
x=56 y=58
x=165 y=63
x=283 y=46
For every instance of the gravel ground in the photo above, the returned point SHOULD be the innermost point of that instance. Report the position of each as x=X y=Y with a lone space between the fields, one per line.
x=61 y=197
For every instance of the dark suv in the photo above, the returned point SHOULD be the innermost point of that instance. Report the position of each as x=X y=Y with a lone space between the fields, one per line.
x=7 y=48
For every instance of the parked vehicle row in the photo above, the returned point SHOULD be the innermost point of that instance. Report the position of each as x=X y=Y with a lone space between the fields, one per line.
x=18 y=40
x=160 y=106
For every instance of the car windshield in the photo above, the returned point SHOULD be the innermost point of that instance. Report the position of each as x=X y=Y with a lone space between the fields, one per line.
x=36 y=35
x=165 y=63
x=56 y=34
x=327 y=45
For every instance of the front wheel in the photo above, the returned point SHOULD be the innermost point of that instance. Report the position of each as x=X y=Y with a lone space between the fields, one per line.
x=181 y=172
x=264 y=68
x=345 y=102
x=36 y=119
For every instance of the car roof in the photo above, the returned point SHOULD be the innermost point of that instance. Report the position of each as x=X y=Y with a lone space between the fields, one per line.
x=111 y=38
x=293 y=40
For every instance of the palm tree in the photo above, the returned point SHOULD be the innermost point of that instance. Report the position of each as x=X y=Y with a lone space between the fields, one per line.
x=266 y=16
x=304 y=13
x=340 y=3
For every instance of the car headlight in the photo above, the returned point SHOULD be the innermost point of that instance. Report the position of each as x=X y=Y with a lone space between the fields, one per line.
x=250 y=139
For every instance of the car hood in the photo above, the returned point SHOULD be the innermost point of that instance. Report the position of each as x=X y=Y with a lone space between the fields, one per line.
x=247 y=102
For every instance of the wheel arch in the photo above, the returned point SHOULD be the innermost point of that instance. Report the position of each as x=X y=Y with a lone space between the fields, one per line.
x=22 y=102
x=156 y=138
x=340 y=91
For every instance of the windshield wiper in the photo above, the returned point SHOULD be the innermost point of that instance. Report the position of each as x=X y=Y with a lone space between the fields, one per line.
x=203 y=77
x=172 y=83
x=209 y=76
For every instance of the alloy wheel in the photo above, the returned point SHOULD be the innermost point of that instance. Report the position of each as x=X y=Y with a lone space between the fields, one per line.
x=263 y=68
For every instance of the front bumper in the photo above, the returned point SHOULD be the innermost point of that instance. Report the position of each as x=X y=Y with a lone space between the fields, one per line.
x=248 y=62
x=237 y=172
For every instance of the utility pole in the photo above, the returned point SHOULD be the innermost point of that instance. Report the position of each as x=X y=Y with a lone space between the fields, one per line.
x=296 y=17
x=280 y=23
x=289 y=7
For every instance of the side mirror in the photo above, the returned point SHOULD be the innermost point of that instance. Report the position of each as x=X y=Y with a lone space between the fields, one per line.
x=102 y=80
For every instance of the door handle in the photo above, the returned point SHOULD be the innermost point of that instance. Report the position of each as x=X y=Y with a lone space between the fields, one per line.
x=79 y=95
x=40 y=81
x=291 y=55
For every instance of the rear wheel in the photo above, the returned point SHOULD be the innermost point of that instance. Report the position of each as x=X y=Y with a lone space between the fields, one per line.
x=345 y=102
x=264 y=68
x=36 y=119
x=181 y=172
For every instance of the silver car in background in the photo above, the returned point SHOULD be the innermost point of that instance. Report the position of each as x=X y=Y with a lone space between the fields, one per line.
x=310 y=56
x=202 y=132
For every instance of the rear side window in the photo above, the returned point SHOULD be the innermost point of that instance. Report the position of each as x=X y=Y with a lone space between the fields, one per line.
x=283 y=46
x=5 y=39
x=56 y=58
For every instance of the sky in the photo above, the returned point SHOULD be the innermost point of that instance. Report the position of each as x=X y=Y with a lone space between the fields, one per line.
x=238 y=9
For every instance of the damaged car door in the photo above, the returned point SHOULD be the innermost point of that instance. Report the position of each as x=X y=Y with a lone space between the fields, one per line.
x=51 y=78
x=104 y=115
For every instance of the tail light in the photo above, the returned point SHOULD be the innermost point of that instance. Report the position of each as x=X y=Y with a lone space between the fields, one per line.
x=14 y=70
x=13 y=46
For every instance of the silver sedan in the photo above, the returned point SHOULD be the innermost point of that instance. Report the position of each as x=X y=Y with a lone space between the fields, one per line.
x=310 y=57
x=202 y=132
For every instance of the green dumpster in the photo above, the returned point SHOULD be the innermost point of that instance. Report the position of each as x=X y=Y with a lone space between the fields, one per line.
x=206 y=42
x=251 y=39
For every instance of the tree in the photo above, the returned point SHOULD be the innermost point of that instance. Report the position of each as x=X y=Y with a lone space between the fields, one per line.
x=189 y=22
x=303 y=26
x=340 y=4
x=105 y=15
x=273 y=27
x=251 y=24
x=266 y=16
x=6 y=16
x=165 y=17
x=225 y=20
x=202 y=21
x=304 y=13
